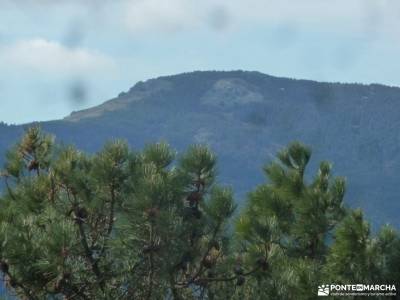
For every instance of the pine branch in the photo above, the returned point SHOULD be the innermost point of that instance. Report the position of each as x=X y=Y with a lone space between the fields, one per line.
x=207 y=252
x=110 y=219
x=25 y=290
x=85 y=245
x=151 y=271
x=9 y=190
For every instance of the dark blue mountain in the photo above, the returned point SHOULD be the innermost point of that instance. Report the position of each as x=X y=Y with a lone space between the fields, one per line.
x=246 y=117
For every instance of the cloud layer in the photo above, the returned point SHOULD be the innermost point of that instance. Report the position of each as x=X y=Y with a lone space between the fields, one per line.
x=72 y=54
x=335 y=15
x=44 y=56
x=140 y=16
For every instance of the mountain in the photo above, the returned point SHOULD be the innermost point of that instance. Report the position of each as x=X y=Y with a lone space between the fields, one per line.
x=246 y=117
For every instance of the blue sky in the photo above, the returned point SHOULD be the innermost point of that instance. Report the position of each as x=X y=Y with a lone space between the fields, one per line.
x=60 y=56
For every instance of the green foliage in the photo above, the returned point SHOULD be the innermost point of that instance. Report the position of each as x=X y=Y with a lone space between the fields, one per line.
x=114 y=225
x=356 y=256
x=121 y=224
x=349 y=253
x=305 y=234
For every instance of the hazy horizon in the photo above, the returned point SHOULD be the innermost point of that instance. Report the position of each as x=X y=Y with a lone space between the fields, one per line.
x=70 y=55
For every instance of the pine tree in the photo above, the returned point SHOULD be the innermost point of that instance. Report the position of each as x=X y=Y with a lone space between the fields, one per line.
x=151 y=224
x=387 y=245
x=358 y=256
x=348 y=260
x=114 y=225
x=287 y=223
x=301 y=215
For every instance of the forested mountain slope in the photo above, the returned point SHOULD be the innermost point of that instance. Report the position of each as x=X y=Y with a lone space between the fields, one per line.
x=246 y=117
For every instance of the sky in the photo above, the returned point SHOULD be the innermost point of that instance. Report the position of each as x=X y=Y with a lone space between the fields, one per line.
x=61 y=56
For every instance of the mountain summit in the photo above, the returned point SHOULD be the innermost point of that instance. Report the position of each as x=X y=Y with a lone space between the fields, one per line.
x=246 y=117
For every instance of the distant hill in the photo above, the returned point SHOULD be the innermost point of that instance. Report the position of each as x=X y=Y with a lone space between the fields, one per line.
x=246 y=117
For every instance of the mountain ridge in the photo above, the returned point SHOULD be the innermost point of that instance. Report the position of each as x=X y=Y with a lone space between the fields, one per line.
x=246 y=117
x=124 y=95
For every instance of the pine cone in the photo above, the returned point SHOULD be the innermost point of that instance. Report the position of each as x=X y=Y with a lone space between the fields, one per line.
x=208 y=262
x=82 y=213
x=33 y=165
x=194 y=198
x=262 y=262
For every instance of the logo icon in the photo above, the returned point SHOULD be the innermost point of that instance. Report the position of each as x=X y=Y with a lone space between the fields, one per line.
x=323 y=290
x=360 y=287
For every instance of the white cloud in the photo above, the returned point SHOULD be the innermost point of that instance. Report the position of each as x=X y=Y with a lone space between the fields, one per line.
x=49 y=57
x=166 y=16
x=358 y=16
x=155 y=15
